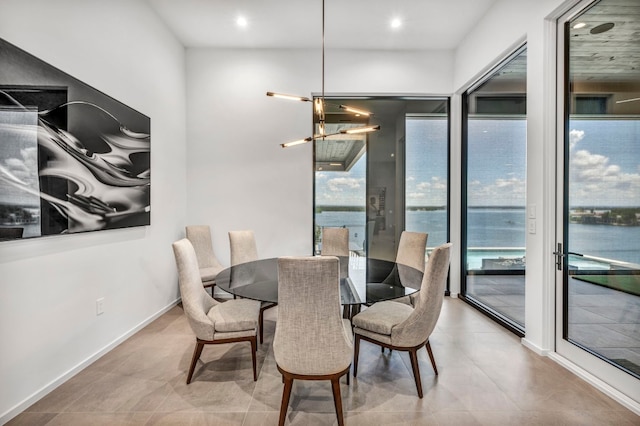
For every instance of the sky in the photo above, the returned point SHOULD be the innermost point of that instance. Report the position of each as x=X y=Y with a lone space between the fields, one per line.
x=604 y=165
x=604 y=168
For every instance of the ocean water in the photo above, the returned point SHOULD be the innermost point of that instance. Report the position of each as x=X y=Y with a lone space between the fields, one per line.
x=500 y=228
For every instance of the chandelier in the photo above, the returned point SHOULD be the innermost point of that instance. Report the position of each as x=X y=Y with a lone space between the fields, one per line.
x=319 y=107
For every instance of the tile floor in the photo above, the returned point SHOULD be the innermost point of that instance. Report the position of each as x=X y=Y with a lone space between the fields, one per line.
x=486 y=378
x=606 y=321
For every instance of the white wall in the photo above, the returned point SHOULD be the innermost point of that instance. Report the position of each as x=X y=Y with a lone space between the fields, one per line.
x=239 y=176
x=48 y=323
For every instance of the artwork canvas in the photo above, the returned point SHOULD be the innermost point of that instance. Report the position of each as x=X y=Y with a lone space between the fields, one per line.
x=72 y=159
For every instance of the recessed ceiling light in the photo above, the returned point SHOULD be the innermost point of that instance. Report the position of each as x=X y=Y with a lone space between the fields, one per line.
x=396 y=23
x=241 y=21
x=579 y=25
x=602 y=28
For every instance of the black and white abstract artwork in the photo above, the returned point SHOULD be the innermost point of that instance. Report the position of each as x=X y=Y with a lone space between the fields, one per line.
x=72 y=159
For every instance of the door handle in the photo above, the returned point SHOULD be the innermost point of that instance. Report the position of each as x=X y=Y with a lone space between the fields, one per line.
x=559 y=256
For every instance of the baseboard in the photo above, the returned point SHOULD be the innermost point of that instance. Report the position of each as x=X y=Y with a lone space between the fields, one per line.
x=453 y=295
x=36 y=396
x=535 y=348
x=602 y=386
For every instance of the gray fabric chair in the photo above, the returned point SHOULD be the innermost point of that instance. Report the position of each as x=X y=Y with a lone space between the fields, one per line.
x=401 y=327
x=243 y=249
x=411 y=249
x=312 y=340
x=411 y=253
x=211 y=321
x=210 y=267
x=335 y=242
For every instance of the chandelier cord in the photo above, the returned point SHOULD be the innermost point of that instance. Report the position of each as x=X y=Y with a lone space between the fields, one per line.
x=323 y=51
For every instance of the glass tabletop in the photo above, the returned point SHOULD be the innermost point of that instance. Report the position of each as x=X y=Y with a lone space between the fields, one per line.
x=369 y=281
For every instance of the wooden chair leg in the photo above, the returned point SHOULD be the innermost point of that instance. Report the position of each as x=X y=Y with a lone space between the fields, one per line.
x=355 y=310
x=194 y=359
x=261 y=323
x=433 y=360
x=356 y=347
x=416 y=370
x=254 y=348
x=286 y=394
x=337 y=400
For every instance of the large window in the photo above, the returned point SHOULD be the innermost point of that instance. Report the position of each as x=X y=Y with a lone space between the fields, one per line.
x=381 y=183
x=427 y=180
x=494 y=188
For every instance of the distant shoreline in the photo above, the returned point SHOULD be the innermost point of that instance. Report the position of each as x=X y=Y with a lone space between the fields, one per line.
x=320 y=209
x=435 y=208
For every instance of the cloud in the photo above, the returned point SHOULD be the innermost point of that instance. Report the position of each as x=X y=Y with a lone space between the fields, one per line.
x=416 y=195
x=433 y=192
x=340 y=184
x=593 y=178
x=508 y=183
x=500 y=192
x=24 y=169
x=575 y=136
x=436 y=184
x=439 y=184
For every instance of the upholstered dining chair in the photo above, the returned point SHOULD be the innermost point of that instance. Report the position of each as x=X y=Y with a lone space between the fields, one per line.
x=200 y=238
x=243 y=249
x=411 y=252
x=335 y=242
x=402 y=327
x=312 y=340
x=211 y=321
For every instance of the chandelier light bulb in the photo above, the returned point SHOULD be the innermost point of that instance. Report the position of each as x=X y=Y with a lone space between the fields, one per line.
x=365 y=129
x=288 y=97
x=298 y=142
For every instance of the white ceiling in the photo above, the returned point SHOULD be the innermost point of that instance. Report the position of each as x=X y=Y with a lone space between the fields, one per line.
x=357 y=24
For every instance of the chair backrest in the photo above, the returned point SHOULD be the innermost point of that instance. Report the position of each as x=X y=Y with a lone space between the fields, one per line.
x=200 y=238
x=418 y=327
x=195 y=300
x=335 y=242
x=242 y=245
x=411 y=249
x=310 y=335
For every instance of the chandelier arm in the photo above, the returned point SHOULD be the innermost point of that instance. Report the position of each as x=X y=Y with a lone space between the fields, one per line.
x=320 y=107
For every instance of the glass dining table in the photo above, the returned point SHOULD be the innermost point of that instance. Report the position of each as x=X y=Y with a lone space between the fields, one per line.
x=369 y=281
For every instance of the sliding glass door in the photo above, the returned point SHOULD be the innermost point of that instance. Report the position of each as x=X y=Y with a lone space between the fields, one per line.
x=494 y=189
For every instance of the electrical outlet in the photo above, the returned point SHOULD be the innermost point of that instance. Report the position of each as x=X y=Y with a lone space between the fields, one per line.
x=100 y=306
x=532 y=226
